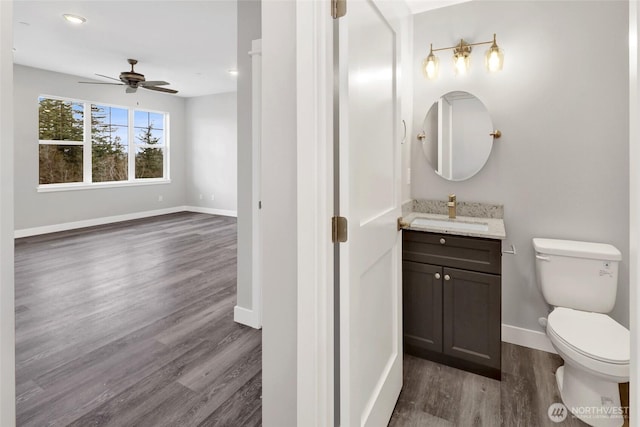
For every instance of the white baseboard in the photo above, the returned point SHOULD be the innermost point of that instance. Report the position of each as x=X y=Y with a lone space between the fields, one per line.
x=212 y=211
x=26 y=232
x=246 y=317
x=527 y=338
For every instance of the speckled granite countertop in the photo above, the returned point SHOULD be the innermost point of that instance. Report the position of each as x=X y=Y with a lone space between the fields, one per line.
x=471 y=213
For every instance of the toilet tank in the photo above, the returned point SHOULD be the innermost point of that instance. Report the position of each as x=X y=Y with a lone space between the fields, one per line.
x=578 y=275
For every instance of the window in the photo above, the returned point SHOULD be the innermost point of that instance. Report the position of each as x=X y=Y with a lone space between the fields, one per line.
x=149 y=129
x=84 y=143
x=61 y=141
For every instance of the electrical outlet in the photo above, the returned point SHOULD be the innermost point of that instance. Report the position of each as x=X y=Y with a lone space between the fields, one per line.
x=212 y=198
x=201 y=197
x=160 y=198
x=408 y=175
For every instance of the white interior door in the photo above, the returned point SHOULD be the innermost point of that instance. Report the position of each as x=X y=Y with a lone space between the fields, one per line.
x=369 y=195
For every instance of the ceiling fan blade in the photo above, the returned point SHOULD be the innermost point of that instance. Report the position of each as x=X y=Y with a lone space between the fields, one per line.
x=102 y=83
x=159 y=89
x=107 y=77
x=131 y=89
x=154 y=83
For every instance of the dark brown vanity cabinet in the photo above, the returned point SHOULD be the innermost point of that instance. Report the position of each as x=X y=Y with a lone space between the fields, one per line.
x=452 y=300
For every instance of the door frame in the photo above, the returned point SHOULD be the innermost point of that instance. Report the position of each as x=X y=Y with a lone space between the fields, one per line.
x=634 y=206
x=315 y=338
x=7 y=301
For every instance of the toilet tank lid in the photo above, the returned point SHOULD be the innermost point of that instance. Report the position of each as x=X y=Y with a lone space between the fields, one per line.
x=577 y=249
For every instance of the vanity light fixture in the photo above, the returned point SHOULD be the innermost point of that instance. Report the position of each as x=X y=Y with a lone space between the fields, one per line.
x=461 y=58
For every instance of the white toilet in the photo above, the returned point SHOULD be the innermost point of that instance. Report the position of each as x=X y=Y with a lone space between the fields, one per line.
x=580 y=281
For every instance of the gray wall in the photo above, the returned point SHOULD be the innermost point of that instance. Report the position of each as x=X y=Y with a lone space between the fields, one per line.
x=249 y=28
x=212 y=164
x=69 y=206
x=279 y=214
x=561 y=167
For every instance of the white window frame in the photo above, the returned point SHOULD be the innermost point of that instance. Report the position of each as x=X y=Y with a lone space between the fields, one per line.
x=87 y=182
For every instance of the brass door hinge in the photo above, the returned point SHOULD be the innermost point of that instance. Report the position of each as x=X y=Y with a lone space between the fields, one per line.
x=338 y=8
x=338 y=229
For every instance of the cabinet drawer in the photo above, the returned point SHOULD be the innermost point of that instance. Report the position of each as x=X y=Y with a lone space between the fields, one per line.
x=469 y=253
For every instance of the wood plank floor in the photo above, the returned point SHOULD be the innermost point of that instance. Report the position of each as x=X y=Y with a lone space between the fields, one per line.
x=440 y=396
x=131 y=324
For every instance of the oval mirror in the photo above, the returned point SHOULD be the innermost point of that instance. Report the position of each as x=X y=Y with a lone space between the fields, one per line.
x=457 y=136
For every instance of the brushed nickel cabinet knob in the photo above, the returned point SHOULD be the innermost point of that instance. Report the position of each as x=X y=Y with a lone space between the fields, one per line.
x=437 y=275
x=442 y=241
x=447 y=277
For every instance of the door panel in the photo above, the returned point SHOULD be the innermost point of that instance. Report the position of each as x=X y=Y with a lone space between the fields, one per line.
x=422 y=305
x=472 y=316
x=369 y=195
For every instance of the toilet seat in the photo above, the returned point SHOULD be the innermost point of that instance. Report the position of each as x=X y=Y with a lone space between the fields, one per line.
x=585 y=339
x=593 y=335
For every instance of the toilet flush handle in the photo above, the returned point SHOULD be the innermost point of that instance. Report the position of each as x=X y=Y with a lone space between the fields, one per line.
x=542 y=258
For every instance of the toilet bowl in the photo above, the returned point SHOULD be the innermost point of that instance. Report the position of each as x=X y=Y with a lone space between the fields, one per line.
x=596 y=358
x=580 y=279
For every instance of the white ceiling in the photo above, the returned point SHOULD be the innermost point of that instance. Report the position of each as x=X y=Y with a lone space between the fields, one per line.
x=191 y=44
x=419 y=6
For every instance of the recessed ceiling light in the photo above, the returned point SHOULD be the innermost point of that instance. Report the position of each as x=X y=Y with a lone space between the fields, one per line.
x=75 y=19
x=233 y=72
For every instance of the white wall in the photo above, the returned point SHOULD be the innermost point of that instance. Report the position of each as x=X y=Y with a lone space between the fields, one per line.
x=249 y=28
x=78 y=205
x=7 y=322
x=211 y=158
x=561 y=167
x=279 y=200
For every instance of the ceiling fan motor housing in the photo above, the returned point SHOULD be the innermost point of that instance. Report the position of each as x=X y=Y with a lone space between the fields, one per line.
x=131 y=78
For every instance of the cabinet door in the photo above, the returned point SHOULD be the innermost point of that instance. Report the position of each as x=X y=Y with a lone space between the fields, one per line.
x=422 y=305
x=471 y=314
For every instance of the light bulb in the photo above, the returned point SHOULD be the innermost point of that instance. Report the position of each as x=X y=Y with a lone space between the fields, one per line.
x=430 y=65
x=431 y=69
x=461 y=65
x=494 y=61
x=495 y=57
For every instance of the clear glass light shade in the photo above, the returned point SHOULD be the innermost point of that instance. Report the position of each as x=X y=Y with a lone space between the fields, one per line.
x=461 y=63
x=430 y=66
x=494 y=59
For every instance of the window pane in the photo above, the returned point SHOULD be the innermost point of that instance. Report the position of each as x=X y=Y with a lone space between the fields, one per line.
x=109 y=144
x=60 y=163
x=60 y=120
x=109 y=162
x=119 y=116
x=149 y=163
x=149 y=136
x=144 y=119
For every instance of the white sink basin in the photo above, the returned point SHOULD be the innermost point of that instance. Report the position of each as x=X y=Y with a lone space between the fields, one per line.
x=450 y=225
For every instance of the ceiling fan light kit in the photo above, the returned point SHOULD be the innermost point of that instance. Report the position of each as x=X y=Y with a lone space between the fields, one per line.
x=134 y=80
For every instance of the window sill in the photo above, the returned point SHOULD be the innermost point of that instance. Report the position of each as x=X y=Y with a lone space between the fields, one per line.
x=47 y=188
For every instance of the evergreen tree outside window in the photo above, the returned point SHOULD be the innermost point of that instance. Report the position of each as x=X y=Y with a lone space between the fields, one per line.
x=61 y=130
x=149 y=130
x=84 y=143
x=109 y=143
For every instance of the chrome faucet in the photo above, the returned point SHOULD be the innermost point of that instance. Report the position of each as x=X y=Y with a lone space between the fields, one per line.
x=452 y=206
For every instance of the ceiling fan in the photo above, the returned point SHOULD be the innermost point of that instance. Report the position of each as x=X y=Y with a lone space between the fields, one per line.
x=134 y=80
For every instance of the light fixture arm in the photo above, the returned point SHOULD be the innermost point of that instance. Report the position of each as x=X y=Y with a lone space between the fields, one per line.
x=465 y=44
